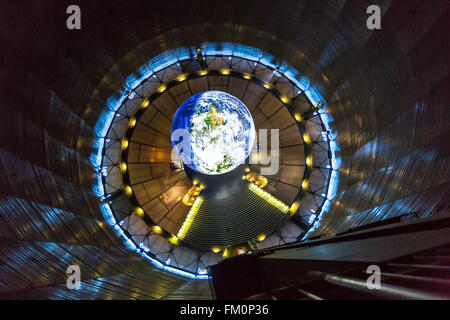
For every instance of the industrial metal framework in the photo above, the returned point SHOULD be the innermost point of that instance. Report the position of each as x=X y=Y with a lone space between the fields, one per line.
x=161 y=76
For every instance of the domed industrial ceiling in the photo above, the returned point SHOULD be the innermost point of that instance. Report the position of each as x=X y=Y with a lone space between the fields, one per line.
x=257 y=167
x=103 y=100
x=216 y=130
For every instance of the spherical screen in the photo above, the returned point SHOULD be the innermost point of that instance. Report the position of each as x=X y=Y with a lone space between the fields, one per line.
x=213 y=132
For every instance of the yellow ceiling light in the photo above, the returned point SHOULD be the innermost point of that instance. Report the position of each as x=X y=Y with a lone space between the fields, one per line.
x=267 y=86
x=257 y=179
x=251 y=176
x=246 y=76
x=123 y=167
x=306 y=138
x=190 y=196
x=157 y=229
x=261 y=237
x=215 y=250
x=225 y=71
x=124 y=144
x=128 y=191
x=285 y=99
x=261 y=181
x=305 y=184
x=132 y=122
x=298 y=116
x=162 y=88
x=139 y=211
x=203 y=72
x=181 y=77
x=309 y=161
x=145 y=103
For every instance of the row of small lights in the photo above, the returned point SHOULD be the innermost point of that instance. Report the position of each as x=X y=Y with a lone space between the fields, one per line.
x=189 y=218
x=297 y=116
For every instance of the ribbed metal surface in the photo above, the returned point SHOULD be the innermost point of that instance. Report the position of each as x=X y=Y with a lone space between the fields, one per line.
x=387 y=91
x=229 y=222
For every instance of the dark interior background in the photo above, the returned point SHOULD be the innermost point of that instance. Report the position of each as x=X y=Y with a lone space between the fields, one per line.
x=386 y=89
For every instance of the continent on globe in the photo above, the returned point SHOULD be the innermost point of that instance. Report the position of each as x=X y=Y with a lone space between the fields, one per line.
x=221 y=132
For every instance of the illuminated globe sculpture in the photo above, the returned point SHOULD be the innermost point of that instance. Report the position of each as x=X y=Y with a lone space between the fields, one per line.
x=213 y=132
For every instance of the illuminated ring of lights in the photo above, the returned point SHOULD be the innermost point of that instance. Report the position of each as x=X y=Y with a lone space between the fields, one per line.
x=195 y=75
x=113 y=106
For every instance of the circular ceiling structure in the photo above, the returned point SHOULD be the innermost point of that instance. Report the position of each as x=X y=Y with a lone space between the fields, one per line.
x=213 y=132
x=184 y=217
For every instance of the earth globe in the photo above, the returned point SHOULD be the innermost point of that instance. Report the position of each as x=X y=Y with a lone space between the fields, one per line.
x=213 y=132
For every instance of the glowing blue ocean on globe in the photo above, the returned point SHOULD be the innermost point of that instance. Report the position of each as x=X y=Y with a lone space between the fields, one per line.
x=218 y=132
